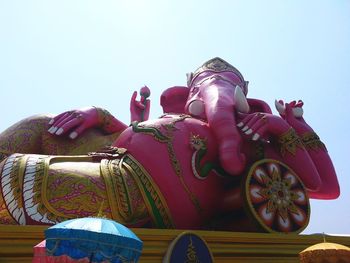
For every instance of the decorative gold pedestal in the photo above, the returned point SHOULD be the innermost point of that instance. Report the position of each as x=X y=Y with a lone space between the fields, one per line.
x=16 y=244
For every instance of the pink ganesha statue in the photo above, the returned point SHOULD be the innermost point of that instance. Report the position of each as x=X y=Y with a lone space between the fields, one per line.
x=215 y=160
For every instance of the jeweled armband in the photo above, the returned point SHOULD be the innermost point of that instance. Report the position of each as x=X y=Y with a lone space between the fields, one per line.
x=104 y=118
x=312 y=141
x=289 y=141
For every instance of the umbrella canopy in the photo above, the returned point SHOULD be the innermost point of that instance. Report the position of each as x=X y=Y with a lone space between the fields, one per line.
x=95 y=239
x=39 y=253
x=325 y=252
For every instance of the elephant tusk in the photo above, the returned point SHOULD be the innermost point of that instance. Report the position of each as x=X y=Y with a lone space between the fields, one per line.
x=279 y=107
x=196 y=108
x=241 y=103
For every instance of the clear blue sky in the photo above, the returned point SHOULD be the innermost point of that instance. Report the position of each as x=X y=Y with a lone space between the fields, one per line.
x=60 y=55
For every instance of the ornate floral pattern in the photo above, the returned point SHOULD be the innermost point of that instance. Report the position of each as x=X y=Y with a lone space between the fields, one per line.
x=276 y=197
x=289 y=142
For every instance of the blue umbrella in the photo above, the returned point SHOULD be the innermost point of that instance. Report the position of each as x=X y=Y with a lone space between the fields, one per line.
x=98 y=239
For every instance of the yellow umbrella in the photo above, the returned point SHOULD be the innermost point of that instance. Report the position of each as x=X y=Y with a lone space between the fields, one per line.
x=325 y=253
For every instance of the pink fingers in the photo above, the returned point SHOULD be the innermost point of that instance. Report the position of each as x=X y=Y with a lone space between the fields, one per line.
x=69 y=125
x=140 y=105
x=133 y=97
x=299 y=104
x=252 y=125
x=258 y=128
x=61 y=125
x=65 y=121
x=57 y=117
x=245 y=118
x=77 y=131
x=292 y=103
x=57 y=120
x=60 y=117
x=259 y=132
x=247 y=128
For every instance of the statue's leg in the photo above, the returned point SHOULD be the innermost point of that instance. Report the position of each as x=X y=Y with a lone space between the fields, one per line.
x=31 y=136
x=40 y=189
x=24 y=136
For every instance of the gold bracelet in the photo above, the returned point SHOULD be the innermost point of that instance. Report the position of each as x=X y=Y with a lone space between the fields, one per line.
x=311 y=141
x=104 y=118
x=289 y=141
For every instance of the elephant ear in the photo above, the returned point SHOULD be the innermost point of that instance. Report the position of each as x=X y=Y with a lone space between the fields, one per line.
x=256 y=105
x=173 y=99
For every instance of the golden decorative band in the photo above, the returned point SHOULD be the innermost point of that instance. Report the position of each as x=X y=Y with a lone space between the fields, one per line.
x=104 y=118
x=218 y=77
x=219 y=65
x=10 y=192
x=289 y=142
x=312 y=141
x=152 y=196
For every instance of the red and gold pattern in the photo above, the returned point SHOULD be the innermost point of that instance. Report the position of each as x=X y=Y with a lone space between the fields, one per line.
x=30 y=136
x=289 y=142
x=40 y=189
x=311 y=141
x=276 y=197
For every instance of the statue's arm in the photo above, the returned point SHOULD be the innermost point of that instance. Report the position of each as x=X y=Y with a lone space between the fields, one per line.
x=281 y=143
x=292 y=113
x=75 y=122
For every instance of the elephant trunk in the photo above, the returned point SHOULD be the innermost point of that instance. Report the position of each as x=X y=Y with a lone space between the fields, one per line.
x=220 y=105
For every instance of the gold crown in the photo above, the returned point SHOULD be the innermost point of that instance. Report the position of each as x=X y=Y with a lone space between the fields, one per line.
x=218 y=65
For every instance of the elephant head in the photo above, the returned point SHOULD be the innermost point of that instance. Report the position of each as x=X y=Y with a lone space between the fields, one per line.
x=217 y=91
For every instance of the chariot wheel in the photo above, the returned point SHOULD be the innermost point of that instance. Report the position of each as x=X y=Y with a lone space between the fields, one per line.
x=276 y=198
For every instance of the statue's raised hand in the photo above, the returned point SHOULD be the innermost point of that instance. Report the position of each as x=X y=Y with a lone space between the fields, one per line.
x=292 y=112
x=74 y=122
x=139 y=110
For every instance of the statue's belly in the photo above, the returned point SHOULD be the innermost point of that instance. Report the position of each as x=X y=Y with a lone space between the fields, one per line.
x=165 y=149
